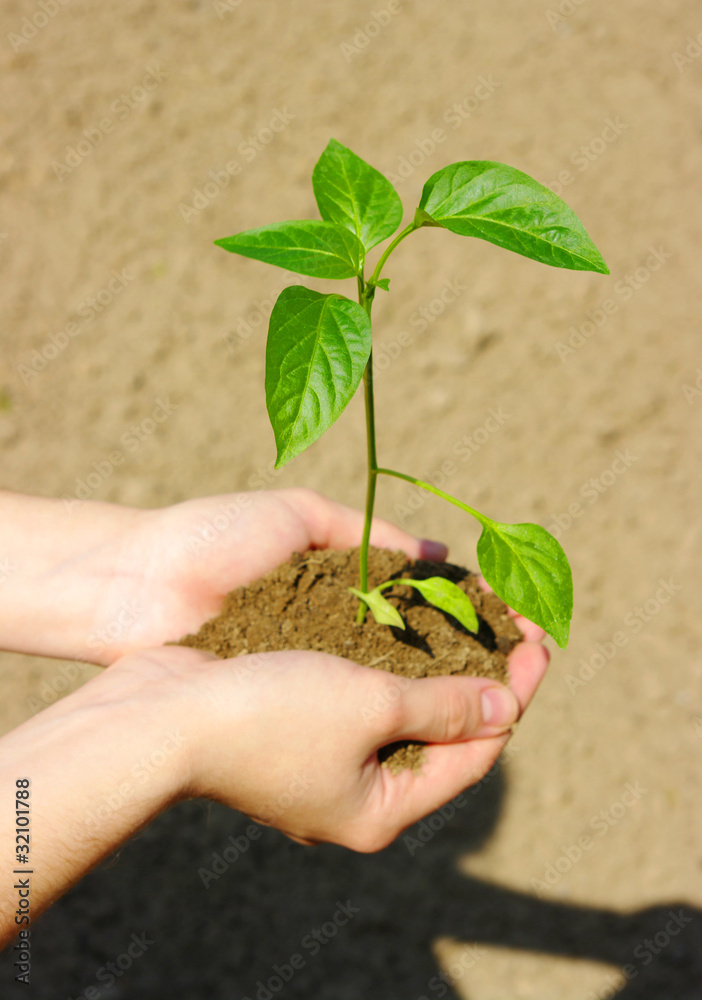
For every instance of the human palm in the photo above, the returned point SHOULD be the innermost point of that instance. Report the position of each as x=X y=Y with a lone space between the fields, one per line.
x=176 y=564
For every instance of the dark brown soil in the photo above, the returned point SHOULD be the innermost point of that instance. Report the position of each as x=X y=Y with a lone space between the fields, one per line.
x=305 y=604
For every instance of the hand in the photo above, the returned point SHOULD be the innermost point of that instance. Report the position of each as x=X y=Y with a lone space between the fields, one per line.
x=177 y=564
x=288 y=737
x=92 y=581
x=291 y=738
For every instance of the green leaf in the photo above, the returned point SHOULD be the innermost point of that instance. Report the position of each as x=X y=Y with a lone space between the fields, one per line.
x=317 y=348
x=383 y=283
x=353 y=194
x=312 y=247
x=529 y=570
x=383 y=611
x=500 y=204
x=448 y=597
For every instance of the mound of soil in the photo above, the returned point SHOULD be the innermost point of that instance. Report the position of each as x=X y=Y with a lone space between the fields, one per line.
x=305 y=604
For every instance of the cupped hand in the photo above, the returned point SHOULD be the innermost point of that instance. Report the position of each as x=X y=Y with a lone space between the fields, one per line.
x=292 y=738
x=175 y=565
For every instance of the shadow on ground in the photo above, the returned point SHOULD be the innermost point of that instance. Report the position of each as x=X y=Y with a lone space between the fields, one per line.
x=278 y=900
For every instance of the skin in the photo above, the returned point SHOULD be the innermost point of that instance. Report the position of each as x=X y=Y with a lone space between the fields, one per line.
x=289 y=738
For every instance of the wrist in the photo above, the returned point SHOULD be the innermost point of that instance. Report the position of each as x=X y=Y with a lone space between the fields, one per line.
x=102 y=763
x=147 y=702
x=59 y=560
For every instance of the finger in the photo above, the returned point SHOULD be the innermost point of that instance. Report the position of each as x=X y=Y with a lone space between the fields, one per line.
x=334 y=525
x=451 y=709
x=530 y=631
x=447 y=771
x=527 y=665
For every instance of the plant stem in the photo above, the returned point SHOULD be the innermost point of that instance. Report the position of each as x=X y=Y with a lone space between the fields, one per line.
x=439 y=493
x=366 y=293
x=365 y=297
x=398 y=239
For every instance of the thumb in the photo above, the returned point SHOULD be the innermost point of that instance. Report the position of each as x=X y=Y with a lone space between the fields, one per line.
x=453 y=709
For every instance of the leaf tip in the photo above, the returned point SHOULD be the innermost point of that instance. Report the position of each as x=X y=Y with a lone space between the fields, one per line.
x=562 y=637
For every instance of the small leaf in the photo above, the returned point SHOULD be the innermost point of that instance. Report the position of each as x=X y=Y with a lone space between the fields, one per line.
x=448 y=597
x=355 y=195
x=383 y=611
x=383 y=283
x=317 y=348
x=529 y=570
x=500 y=204
x=312 y=247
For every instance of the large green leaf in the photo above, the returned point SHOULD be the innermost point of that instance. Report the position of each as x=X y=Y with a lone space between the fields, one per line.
x=500 y=204
x=318 y=346
x=355 y=195
x=446 y=596
x=529 y=570
x=311 y=246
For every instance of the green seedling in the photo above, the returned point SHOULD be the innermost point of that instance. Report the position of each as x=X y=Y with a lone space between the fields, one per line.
x=320 y=346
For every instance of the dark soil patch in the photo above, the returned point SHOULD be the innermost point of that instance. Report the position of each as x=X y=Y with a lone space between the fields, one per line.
x=305 y=604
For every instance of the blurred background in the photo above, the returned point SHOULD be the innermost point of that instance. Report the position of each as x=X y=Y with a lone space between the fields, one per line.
x=132 y=137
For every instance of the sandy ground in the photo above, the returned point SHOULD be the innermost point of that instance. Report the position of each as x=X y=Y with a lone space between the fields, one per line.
x=600 y=100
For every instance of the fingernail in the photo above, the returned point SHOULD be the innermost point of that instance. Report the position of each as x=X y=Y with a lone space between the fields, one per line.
x=500 y=707
x=433 y=551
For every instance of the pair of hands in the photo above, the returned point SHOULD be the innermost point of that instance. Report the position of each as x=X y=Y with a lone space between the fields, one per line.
x=290 y=738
